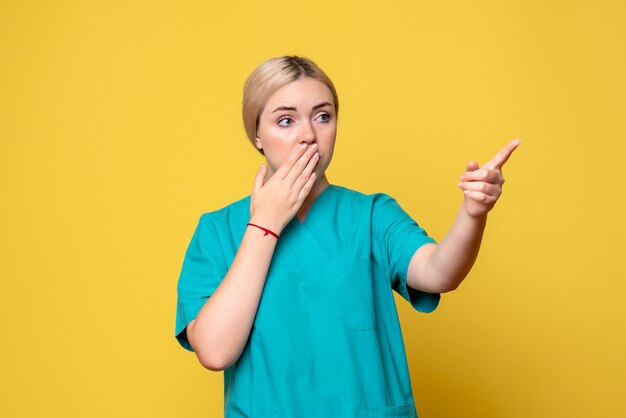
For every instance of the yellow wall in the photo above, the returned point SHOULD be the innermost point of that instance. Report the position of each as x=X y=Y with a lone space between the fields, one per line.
x=120 y=125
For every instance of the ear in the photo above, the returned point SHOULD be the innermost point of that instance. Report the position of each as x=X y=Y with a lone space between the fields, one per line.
x=258 y=143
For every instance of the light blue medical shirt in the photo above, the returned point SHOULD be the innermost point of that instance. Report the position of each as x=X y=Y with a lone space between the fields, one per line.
x=326 y=339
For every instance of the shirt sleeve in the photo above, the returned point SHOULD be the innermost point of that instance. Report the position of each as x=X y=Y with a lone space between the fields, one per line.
x=203 y=269
x=400 y=236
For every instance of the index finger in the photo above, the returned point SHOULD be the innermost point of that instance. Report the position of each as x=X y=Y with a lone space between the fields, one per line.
x=503 y=155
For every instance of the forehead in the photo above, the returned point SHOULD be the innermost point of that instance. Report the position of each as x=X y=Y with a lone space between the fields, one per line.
x=304 y=92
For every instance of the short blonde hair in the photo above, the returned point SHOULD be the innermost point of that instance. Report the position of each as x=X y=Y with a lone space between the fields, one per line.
x=269 y=77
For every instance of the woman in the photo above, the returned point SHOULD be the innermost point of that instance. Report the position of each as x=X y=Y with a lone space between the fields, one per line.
x=289 y=290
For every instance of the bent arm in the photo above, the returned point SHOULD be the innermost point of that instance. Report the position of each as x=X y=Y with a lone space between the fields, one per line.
x=220 y=331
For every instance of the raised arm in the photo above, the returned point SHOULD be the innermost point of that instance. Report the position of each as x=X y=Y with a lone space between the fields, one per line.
x=219 y=332
x=441 y=268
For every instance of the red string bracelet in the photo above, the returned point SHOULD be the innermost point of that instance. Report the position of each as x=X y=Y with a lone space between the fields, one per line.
x=267 y=231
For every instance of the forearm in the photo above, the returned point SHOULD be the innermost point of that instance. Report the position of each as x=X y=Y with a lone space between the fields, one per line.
x=220 y=331
x=447 y=266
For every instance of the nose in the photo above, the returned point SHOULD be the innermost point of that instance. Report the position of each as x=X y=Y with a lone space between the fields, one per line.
x=307 y=133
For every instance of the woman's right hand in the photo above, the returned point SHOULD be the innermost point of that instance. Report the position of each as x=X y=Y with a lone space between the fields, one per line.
x=275 y=202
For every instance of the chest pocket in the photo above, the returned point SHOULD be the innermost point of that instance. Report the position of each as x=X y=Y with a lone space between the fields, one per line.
x=354 y=286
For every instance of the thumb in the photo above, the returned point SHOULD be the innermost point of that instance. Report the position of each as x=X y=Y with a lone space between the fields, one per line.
x=259 y=179
x=472 y=166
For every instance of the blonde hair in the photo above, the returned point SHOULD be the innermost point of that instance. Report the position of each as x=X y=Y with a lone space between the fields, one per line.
x=269 y=77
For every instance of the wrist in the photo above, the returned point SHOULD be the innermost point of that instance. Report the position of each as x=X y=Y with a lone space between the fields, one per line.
x=264 y=226
x=479 y=217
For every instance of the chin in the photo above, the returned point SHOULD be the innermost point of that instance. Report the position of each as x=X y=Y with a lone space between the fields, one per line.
x=319 y=172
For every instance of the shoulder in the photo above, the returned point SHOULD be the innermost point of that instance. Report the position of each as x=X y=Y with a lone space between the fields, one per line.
x=380 y=208
x=360 y=197
x=224 y=226
x=384 y=210
x=224 y=215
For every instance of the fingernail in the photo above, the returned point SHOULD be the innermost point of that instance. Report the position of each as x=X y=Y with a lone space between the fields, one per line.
x=314 y=146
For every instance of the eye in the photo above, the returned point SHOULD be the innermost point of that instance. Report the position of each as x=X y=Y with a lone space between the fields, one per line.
x=324 y=117
x=285 y=121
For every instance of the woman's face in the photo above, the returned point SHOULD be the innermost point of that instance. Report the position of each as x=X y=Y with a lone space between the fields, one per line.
x=300 y=112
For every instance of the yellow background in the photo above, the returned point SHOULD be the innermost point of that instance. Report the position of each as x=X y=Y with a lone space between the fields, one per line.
x=120 y=124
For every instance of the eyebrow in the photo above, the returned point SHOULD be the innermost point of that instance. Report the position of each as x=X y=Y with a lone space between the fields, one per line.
x=293 y=108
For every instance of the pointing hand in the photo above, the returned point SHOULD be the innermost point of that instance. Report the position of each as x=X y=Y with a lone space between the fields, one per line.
x=482 y=186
